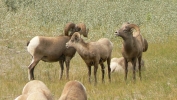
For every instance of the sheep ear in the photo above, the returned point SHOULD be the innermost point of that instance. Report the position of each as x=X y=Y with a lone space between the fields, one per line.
x=77 y=38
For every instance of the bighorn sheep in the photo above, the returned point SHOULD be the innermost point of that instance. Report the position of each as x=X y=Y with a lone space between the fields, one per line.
x=74 y=90
x=35 y=90
x=117 y=64
x=52 y=49
x=93 y=53
x=133 y=46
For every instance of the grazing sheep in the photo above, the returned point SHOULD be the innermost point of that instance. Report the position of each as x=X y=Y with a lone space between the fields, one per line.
x=74 y=90
x=117 y=64
x=93 y=53
x=133 y=46
x=35 y=90
x=52 y=49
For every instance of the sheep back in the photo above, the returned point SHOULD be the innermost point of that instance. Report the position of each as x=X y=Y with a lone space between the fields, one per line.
x=22 y=97
x=36 y=86
x=37 y=96
x=73 y=90
x=105 y=47
x=117 y=65
x=50 y=47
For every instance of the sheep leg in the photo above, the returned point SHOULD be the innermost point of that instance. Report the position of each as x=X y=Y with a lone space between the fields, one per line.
x=134 y=68
x=126 y=68
x=95 y=71
x=102 y=69
x=61 y=62
x=139 y=67
x=31 y=67
x=89 y=73
x=67 y=62
x=109 y=68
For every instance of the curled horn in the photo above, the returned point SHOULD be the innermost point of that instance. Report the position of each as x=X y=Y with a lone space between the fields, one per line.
x=81 y=28
x=69 y=27
x=135 y=27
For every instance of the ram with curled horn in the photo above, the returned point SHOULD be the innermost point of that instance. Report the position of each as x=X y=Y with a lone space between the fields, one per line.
x=81 y=28
x=133 y=46
x=52 y=49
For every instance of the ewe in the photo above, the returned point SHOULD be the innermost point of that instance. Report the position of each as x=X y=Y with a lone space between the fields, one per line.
x=93 y=53
x=53 y=49
x=117 y=65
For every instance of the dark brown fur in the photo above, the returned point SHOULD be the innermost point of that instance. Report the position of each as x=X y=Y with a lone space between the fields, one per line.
x=133 y=46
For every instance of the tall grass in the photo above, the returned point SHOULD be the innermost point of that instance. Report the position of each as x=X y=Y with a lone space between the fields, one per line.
x=20 y=20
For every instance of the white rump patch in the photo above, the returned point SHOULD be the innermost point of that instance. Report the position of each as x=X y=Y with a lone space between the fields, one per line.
x=33 y=44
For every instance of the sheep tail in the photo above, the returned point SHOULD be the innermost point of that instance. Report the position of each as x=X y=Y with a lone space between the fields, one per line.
x=69 y=27
x=27 y=43
x=145 y=45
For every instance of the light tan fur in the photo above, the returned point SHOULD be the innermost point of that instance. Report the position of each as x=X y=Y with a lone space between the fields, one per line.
x=117 y=65
x=35 y=90
x=93 y=53
x=73 y=90
x=52 y=49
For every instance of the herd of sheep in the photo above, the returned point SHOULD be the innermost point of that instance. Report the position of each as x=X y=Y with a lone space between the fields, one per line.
x=63 y=48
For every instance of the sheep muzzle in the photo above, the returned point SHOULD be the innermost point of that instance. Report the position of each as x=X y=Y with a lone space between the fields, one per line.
x=67 y=45
x=117 y=33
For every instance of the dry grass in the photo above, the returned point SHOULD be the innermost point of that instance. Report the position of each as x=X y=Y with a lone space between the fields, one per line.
x=28 y=18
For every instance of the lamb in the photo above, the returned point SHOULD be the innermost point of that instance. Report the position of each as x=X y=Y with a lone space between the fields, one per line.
x=133 y=46
x=53 y=49
x=35 y=90
x=93 y=53
x=74 y=90
x=117 y=64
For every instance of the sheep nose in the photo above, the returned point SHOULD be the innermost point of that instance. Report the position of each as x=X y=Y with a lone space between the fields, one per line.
x=67 y=46
x=116 y=33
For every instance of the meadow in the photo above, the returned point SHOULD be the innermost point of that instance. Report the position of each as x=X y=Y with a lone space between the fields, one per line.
x=21 y=20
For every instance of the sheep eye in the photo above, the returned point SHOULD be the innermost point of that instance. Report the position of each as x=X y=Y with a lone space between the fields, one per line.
x=125 y=30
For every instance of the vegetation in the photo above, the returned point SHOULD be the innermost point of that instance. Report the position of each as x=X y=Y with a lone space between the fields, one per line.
x=20 y=20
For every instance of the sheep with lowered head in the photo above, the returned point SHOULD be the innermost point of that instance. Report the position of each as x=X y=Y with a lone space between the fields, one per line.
x=35 y=90
x=74 y=90
x=52 y=49
x=133 y=46
x=117 y=64
x=93 y=53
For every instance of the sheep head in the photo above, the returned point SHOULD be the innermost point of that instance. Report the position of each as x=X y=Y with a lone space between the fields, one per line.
x=127 y=30
x=76 y=37
x=81 y=28
x=69 y=27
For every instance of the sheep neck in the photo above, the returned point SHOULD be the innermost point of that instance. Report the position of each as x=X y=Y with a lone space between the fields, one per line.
x=128 y=44
x=83 y=48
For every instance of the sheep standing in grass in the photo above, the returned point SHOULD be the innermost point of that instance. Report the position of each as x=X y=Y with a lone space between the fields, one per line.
x=93 y=53
x=117 y=64
x=74 y=90
x=133 y=46
x=35 y=90
x=52 y=49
